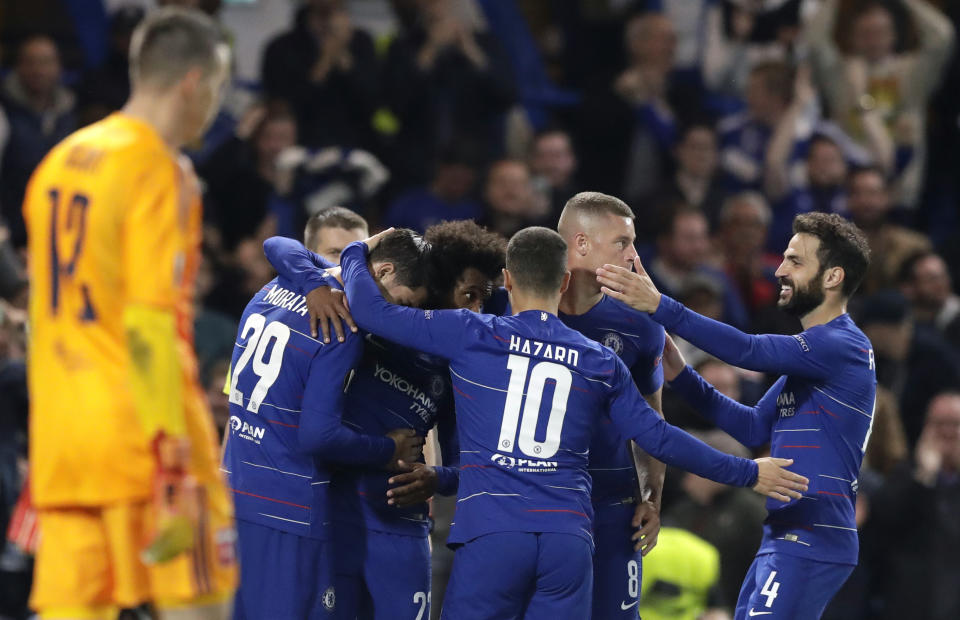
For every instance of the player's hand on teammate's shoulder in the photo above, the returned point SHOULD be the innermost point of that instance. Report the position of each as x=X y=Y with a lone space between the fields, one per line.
x=416 y=484
x=673 y=362
x=634 y=288
x=329 y=309
x=646 y=517
x=778 y=483
x=408 y=447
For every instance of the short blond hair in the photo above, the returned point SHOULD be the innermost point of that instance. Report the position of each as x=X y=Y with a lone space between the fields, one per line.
x=596 y=203
x=171 y=41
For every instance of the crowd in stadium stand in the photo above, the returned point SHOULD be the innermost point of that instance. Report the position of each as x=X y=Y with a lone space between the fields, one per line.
x=717 y=121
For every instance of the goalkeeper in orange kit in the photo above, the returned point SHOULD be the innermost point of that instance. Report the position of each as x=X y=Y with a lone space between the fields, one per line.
x=124 y=474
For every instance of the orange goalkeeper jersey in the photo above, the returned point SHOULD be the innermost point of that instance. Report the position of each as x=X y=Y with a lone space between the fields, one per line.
x=114 y=218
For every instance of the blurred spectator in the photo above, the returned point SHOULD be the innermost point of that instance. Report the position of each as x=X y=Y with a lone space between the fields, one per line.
x=448 y=197
x=40 y=112
x=680 y=579
x=214 y=331
x=445 y=81
x=744 y=222
x=330 y=177
x=213 y=380
x=689 y=21
x=243 y=179
x=554 y=166
x=333 y=229
x=643 y=86
x=13 y=278
x=511 y=203
x=217 y=282
x=14 y=566
x=744 y=137
x=327 y=70
x=626 y=125
x=925 y=282
x=816 y=185
x=912 y=361
x=877 y=92
x=4 y=134
x=107 y=88
x=739 y=35
x=728 y=380
x=919 y=574
x=729 y=518
x=683 y=248
x=887 y=447
x=695 y=181
x=868 y=203
x=721 y=376
x=254 y=269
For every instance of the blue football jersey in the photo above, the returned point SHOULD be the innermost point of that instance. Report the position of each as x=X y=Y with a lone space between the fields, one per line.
x=528 y=390
x=820 y=414
x=286 y=398
x=638 y=341
x=393 y=387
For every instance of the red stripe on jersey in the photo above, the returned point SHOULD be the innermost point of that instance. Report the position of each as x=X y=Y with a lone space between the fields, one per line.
x=461 y=392
x=270 y=499
x=296 y=348
x=279 y=423
x=828 y=412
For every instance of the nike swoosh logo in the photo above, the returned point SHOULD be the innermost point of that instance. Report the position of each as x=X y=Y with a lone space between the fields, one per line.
x=624 y=606
x=759 y=613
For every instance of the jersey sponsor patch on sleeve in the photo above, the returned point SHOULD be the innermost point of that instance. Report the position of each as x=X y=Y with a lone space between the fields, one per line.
x=803 y=343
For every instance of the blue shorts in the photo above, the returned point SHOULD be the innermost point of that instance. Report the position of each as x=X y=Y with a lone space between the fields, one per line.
x=781 y=586
x=386 y=577
x=508 y=575
x=283 y=575
x=616 y=569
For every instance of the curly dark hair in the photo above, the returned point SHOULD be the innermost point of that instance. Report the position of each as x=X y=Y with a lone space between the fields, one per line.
x=842 y=245
x=457 y=246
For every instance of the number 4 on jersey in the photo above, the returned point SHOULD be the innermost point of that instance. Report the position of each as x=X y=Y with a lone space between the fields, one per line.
x=770 y=589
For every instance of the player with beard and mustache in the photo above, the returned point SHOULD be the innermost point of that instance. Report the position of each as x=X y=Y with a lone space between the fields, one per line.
x=819 y=412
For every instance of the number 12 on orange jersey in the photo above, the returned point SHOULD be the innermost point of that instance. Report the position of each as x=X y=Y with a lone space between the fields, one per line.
x=73 y=224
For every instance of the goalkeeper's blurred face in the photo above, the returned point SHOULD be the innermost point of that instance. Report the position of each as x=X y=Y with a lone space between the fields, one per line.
x=203 y=94
x=801 y=276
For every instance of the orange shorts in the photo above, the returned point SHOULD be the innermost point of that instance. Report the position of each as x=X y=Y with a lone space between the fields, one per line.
x=88 y=561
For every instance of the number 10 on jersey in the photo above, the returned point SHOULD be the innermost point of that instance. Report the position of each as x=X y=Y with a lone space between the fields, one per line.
x=527 y=422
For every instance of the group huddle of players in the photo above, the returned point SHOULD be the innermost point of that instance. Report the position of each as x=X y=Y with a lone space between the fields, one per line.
x=539 y=362
x=534 y=389
x=366 y=388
